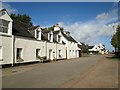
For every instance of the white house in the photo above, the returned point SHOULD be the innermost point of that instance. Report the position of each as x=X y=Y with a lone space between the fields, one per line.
x=6 y=38
x=64 y=37
x=21 y=43
x=98 y=48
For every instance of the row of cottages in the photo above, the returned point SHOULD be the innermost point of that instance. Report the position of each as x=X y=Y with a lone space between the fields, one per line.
x=99 y=48
x=20 y=43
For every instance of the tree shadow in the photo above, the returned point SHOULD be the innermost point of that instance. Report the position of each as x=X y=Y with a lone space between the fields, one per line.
x=112 y=57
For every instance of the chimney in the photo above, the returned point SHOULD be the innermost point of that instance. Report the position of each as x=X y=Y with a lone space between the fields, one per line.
x=56 y=27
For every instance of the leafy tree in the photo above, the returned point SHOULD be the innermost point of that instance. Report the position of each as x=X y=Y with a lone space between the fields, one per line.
x=51 y=28
x=23 y=18
x=115 y=41
x=118 y=39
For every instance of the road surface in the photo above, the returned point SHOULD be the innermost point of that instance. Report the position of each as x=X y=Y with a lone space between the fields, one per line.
x=92 y=71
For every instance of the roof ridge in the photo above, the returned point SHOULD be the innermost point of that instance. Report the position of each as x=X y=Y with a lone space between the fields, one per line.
x=22 y=22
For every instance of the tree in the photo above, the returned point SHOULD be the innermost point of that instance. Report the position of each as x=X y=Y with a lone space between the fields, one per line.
x=118 y=39
x=23 y=18
x=115 y=41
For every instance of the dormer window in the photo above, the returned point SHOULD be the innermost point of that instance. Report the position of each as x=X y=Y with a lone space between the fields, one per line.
x=50 y=36
x=38 y=34
x=59 y=38
x=4 y=26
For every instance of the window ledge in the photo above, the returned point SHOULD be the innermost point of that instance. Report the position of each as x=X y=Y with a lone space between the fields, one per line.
x=1 y=59
x=4 y=34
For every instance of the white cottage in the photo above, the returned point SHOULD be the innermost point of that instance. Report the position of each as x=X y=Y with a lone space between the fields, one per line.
x=64 y=37
x=21 y=43
x=6 y=38
x=100 y=48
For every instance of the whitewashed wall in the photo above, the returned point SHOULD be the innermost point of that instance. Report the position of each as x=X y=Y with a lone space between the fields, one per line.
x=6 y=49
x=63 y=51
x=71 y=46
x=29 y=47
x=55 y=50
x=51 y=46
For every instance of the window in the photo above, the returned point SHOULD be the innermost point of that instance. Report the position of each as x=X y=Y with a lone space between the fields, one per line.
x=4 y=26
x=37 y=34
x=50 y=36
x=70 y=52
x=60 y=54
x=19 y=53
x=38 y=53
x=59 y=38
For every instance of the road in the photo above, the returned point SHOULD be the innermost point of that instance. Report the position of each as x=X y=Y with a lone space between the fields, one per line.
x=62 y=74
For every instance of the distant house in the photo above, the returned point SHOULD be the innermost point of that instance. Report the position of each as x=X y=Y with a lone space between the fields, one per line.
x=22 y=43
x=83 y=47
x=99 y=48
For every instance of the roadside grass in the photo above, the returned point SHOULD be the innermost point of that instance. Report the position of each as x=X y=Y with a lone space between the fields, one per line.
x=114 y=57
x=85 y=55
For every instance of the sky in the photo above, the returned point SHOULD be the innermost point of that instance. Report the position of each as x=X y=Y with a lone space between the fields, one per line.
x=88 y=22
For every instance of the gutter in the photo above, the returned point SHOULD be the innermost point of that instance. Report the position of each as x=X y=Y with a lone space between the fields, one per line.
x=13 y=45
x=56 y=50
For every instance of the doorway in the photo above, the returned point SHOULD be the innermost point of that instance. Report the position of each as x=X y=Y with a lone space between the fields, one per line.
x=50 y=54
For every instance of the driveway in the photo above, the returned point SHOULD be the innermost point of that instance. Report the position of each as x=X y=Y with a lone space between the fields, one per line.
x=55 y=74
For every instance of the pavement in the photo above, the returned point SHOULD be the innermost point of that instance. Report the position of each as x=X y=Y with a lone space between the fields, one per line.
x=94 y=71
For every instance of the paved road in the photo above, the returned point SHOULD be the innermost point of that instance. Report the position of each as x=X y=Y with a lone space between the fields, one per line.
x=50 y=75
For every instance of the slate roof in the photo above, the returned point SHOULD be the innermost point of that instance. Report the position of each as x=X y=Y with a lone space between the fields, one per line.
x=33 y=27
x=83 y=46
x=69 y=38
x=21 y=29
x=90 y=47
x=45 y=34
x=43 y=37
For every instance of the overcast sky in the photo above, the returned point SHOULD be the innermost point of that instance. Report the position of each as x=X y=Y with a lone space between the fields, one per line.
x=88 y=22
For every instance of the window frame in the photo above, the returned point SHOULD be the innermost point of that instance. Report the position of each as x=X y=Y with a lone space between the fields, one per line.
x=4 y=26
x=59 y=38
x=38 y=53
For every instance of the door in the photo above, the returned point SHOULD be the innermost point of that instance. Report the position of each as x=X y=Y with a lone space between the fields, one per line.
x=50 y=54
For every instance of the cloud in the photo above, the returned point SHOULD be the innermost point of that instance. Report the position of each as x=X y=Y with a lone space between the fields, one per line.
x=9 y=8
x=92 y=31
x=103 y=16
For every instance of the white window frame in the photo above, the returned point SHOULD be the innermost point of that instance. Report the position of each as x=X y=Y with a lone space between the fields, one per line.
x=37 y=34
x=50 y=36
x=59 y=38
x=3 y=26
